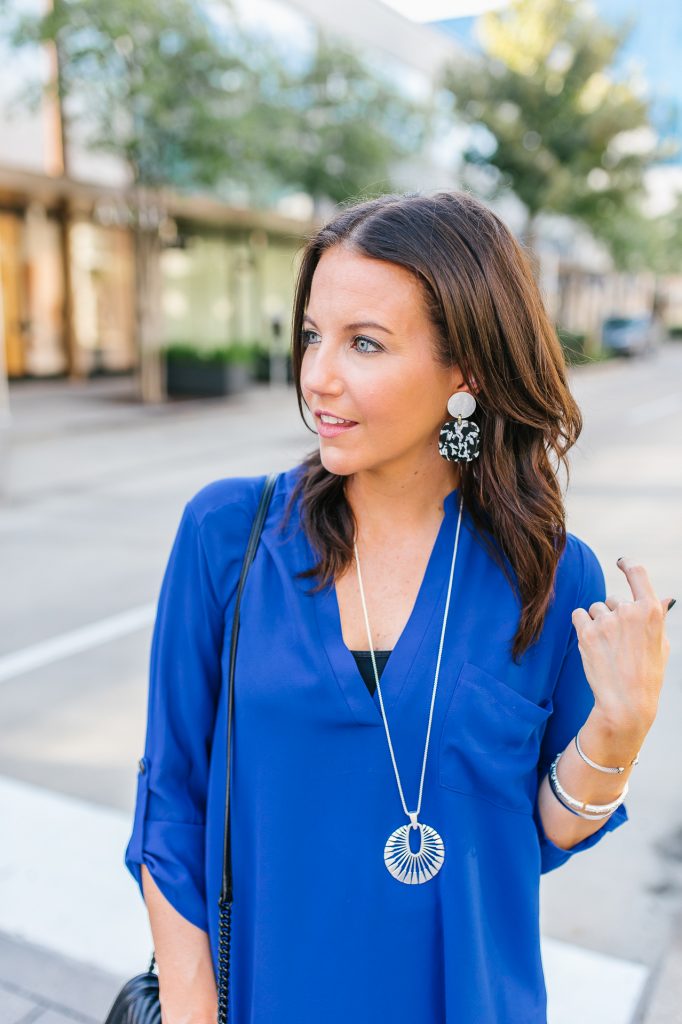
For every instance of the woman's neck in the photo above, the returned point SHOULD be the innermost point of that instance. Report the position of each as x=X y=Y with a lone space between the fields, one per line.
x=411 y=503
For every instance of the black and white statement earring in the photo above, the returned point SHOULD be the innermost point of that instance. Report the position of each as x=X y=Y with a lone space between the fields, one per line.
x=459 y=439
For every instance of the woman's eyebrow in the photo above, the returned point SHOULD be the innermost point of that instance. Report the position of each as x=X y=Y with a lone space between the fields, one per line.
x=354 y=326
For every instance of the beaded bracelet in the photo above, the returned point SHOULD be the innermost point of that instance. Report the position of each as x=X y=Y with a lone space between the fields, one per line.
x=590 y=811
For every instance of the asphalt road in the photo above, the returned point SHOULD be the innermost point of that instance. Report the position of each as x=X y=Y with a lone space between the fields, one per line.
x=96 y=489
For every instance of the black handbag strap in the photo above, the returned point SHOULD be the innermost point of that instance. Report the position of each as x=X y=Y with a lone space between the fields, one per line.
x=256 y=529
x=225 y=901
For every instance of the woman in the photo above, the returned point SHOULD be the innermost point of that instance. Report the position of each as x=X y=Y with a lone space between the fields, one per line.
x=420 y=637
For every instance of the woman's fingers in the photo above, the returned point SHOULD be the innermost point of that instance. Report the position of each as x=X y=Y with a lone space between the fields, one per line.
x=612 y=603
x=642 y=591
x=641 y=586
x=598 y=608
x=624 y=649
x=638 y=579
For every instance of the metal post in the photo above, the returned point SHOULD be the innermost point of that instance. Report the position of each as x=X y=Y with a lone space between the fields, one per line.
x=278 y=366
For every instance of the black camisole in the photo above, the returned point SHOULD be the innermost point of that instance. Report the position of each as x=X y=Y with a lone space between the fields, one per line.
x=363 y=660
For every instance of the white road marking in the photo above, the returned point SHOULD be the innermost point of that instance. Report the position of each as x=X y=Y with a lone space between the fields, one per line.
x=63 y=880
x=75 y=641
x=584 y=985
x=64 y=885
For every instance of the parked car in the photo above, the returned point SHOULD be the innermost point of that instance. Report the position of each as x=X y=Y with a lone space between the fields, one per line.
x=631 y=335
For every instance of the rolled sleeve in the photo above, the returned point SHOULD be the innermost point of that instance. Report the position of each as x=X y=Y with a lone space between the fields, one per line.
x=168 y=833
x=572 y=702
x=553 y=856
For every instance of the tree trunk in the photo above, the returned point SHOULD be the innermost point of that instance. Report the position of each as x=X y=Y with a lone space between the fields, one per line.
x=74 y=370
x=150 y=382
x=5 y=411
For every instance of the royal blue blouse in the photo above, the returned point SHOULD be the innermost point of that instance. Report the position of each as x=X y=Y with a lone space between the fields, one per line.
x=320 y=928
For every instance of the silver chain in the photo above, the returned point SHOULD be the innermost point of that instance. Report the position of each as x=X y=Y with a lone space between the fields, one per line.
x=435 y=681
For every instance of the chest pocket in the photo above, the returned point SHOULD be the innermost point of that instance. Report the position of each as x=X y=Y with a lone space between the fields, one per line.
x=490 y=741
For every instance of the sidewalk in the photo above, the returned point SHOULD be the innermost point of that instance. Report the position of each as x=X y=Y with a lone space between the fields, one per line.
x=37 y=986
x=662 y=1002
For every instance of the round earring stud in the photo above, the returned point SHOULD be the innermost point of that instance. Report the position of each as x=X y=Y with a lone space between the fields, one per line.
x=462 y=403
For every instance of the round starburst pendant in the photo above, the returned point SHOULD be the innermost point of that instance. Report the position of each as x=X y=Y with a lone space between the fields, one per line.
x=408 y=866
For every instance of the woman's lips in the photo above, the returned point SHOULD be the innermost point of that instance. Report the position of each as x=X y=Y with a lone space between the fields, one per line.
x=332 y=429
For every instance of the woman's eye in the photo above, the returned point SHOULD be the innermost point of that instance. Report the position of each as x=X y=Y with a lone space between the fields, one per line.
x=307 y=339
x=377 y=348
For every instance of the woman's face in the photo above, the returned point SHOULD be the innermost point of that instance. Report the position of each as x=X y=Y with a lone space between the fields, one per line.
x=368 y=356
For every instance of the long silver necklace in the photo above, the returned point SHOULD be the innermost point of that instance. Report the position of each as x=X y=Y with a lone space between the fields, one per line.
x=399 y=857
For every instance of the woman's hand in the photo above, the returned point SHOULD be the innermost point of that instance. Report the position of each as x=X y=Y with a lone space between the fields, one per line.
x=624 y=650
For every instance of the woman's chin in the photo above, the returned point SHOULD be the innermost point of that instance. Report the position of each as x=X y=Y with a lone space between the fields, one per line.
x=339 y=463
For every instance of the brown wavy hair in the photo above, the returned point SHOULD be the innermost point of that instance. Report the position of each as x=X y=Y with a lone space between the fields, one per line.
x=490 y=321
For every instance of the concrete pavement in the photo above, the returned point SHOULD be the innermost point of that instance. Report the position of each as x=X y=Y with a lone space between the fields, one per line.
x=39 y=986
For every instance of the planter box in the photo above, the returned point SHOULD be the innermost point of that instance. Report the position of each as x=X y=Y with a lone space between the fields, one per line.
x=262 y=367
x=205 y=377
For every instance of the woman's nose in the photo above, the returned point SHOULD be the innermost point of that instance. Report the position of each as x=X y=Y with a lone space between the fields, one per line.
x=320 y=370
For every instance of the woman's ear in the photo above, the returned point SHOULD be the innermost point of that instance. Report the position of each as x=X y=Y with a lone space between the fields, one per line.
x=461 y=384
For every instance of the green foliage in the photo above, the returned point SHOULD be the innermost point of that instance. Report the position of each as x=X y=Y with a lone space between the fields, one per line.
x=240 y=352
x=155 y=84
x=339 y=125
x=639 y=242
x=555 y=126
x=576 y=348
x=194 y=102
x=573 y=344
x=237 y=352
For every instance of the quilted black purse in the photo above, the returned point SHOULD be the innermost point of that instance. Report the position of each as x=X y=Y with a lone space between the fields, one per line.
x=138 y=1000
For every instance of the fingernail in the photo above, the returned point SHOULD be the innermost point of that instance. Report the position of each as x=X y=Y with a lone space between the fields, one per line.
x=620 y=559
x=674 y=601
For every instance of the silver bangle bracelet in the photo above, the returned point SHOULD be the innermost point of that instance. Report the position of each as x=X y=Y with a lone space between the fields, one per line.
x=601 y=767
x=579 y=807
x=553 y=789
x=579 y=814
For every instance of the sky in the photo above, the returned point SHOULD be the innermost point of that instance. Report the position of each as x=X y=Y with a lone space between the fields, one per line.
x=653 y=47
x=437 y=10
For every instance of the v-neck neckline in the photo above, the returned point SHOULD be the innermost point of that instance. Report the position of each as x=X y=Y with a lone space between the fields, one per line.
x=365 y=706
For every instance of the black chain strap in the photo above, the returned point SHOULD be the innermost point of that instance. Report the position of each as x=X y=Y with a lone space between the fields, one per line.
x=225 y=935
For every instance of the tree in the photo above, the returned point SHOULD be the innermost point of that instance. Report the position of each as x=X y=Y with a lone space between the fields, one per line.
x=555 y=125
x=161 y=88
x=341 y=125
